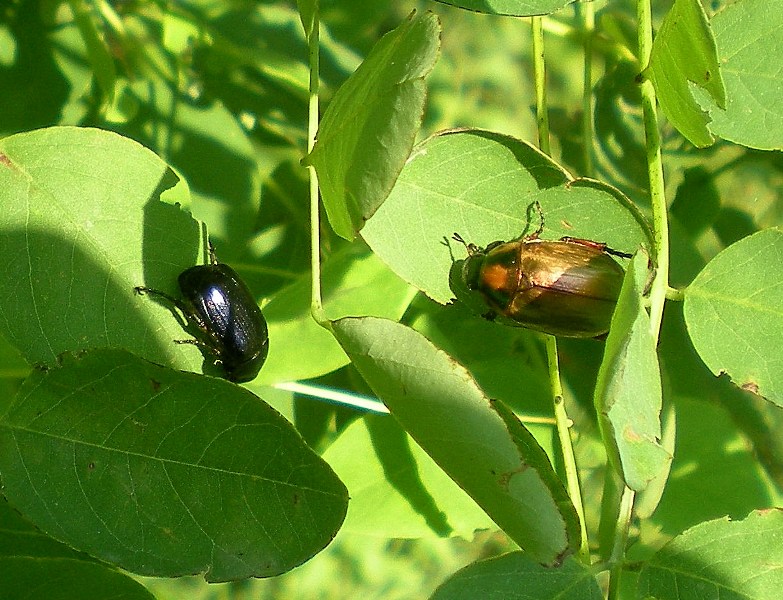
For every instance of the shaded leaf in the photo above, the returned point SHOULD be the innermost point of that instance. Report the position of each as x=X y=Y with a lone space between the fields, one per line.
x=518 y=8
x=719 y=559
x=514 y=576
x=65 y=579
x=165 y=473
x=81 y=226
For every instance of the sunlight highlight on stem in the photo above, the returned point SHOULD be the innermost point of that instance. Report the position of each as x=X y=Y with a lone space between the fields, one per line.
x=562 y=421
x=564 y=435
x=661 y=251
x=586 y=11
x=539 y=74
x=658 y=199
x=316 y=303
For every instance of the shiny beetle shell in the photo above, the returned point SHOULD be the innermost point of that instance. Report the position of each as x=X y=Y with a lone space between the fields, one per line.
x=567 y=288
x=223 y=308
x=230 y=324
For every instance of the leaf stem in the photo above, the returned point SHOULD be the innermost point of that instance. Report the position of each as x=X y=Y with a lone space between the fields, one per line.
x=621 y=535
x=655 y=174
x=660 y=284
x=586 y=11
x=316 y=302
x=569 y=461
x=539 y=74
x=561 y=417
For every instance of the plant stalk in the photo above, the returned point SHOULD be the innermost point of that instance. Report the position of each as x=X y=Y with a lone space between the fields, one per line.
x=316 y=302
x=566 y=445
x=655 y=175
x=621 y=536
x=539 y=74
x=561 y=417
x=586 y=11
x=661 y=252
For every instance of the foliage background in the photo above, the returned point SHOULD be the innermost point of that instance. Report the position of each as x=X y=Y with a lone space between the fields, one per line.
x=219 y=90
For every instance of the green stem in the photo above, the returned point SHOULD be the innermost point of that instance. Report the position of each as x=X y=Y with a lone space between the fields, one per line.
x=621 y=535
x=660 y=284
x=655 y=175
x=587 y=13
x=562 y=421
x=569 y=461
x=539 y=74
x=316 y=302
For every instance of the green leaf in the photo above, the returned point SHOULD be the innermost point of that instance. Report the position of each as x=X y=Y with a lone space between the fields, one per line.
x=308 y=11
x=81 y=226
x=719 y=559
x=354 y=283
x=514 y=576
x=18 y=538
x=397 y=491
x=518 y=8
x=65 y=579
x=165 y=473
x=711 y=454
x=747 y=34
x=684 y=53
x=100 y=59
x=628 y=390
x=734 y=313
x=480 y=184
x=368 y=130
x=480 y=443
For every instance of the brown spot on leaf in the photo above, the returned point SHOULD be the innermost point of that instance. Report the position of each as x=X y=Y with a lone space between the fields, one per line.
x=629 y=433
x=752 y=387
x=505 y=478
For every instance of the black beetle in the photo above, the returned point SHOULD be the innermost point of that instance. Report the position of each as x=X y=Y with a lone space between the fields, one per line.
x=567 y=287
x=219 y=304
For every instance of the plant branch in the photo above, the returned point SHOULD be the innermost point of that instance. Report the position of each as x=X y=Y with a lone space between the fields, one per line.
x=316 y=302
x=539 y=74
x=655 y=174
x=621 y=536
x=587 y=12
x=563 y=424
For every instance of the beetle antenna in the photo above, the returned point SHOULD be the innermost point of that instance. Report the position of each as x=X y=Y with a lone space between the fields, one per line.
x=471 y=248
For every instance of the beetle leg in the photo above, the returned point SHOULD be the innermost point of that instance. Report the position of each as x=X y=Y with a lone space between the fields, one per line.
x=196 y=342
x=212 y=256
x=175 y=302
x=140 y=289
